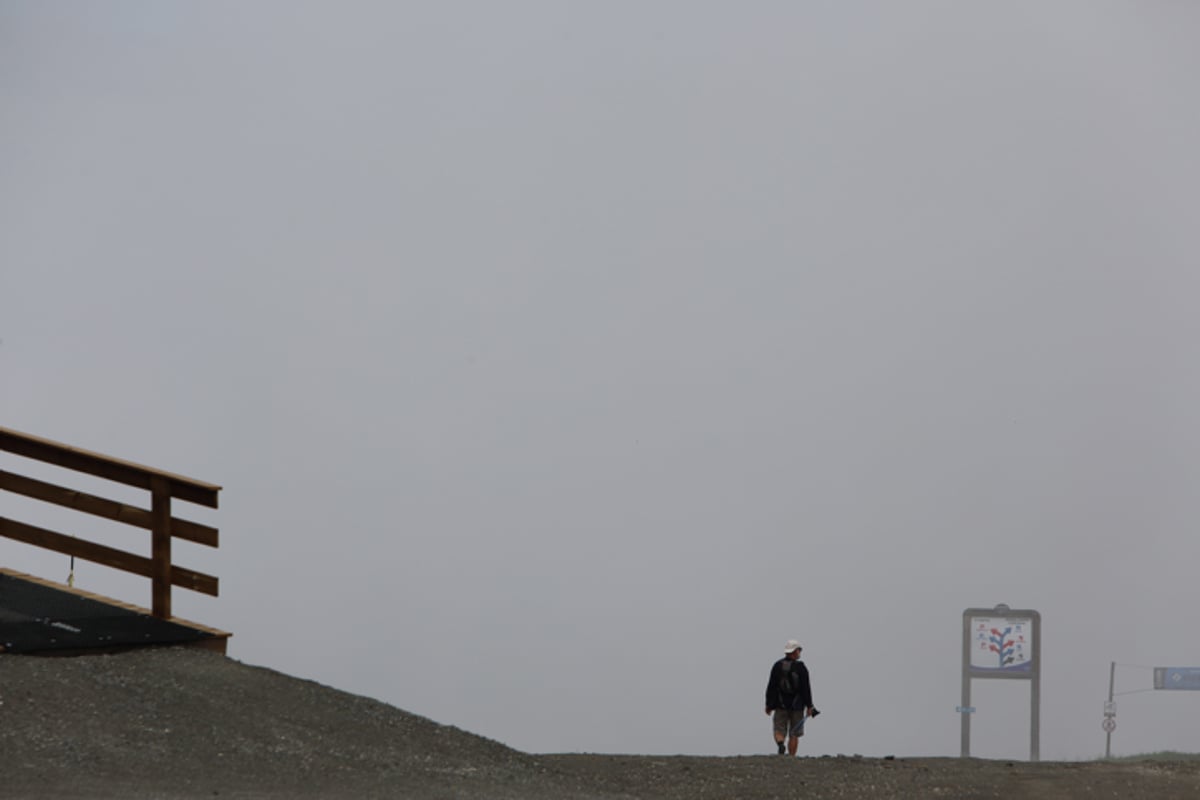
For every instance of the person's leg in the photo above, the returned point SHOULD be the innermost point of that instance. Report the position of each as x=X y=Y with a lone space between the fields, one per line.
x=779 y=726
x=795 y=731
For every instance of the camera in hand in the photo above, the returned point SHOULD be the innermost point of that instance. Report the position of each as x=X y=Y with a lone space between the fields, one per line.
x=813 y=712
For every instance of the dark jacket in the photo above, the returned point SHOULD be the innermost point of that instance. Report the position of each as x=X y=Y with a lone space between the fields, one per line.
x=792 y=702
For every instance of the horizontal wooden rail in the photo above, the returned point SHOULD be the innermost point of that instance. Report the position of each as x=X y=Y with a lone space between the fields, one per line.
x=127 y=472
x=101 y=507
x=163 y=527
x=108 y=556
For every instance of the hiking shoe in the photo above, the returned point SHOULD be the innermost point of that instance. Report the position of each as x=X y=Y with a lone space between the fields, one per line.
x=781 y=749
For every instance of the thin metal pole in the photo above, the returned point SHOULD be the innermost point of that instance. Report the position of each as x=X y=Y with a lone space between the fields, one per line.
x=1035 y=692
x=964 y=715
x=1035 y=722
x=1112 y=673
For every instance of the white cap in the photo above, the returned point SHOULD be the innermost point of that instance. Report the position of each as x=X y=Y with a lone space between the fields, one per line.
x=791 y=645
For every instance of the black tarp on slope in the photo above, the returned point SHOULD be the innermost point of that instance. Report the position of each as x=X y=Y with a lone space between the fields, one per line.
x=36 y=618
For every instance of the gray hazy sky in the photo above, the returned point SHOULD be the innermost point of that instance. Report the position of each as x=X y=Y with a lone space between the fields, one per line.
x=560 y=360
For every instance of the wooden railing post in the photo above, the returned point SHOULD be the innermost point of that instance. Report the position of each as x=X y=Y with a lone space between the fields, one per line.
x=160 y=547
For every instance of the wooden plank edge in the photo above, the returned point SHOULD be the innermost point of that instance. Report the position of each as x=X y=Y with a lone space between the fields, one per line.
x=115 y=469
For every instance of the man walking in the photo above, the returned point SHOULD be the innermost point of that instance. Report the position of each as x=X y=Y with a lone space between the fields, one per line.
x=789 y=697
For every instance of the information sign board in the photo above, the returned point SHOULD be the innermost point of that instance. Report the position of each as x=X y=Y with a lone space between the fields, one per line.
x=1001 y=644
x=1177 y=678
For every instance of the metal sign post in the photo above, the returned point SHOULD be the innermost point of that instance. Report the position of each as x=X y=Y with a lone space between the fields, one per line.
x=1174 y=678
x=1110 y=712
x=1002 y=643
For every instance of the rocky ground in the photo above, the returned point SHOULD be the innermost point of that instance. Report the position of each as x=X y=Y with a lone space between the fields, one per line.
x=180 y=723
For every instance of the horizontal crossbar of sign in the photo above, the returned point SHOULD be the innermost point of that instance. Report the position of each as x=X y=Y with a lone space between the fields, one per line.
x=113 y=469
x=108 y=556
x=102 y=507
x=1177 y=678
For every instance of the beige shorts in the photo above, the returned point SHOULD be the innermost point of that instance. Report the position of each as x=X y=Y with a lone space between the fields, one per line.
x=789 y=723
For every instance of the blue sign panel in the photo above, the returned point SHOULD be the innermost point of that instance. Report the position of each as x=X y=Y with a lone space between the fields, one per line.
x=1177 y=678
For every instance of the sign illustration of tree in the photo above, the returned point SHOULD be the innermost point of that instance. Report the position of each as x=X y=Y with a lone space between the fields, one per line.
x=1002 y=646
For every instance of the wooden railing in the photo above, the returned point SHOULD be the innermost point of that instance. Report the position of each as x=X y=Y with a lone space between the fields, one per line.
x=163 y=487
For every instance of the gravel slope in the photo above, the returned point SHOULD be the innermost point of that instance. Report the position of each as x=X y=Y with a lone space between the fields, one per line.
x=183 y=723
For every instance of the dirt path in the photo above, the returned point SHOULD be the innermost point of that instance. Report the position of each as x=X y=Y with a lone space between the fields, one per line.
x=176 y=723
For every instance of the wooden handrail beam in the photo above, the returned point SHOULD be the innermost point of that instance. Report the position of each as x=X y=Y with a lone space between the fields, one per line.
x=114 y=469
x=108 y=556
x=102 y=507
